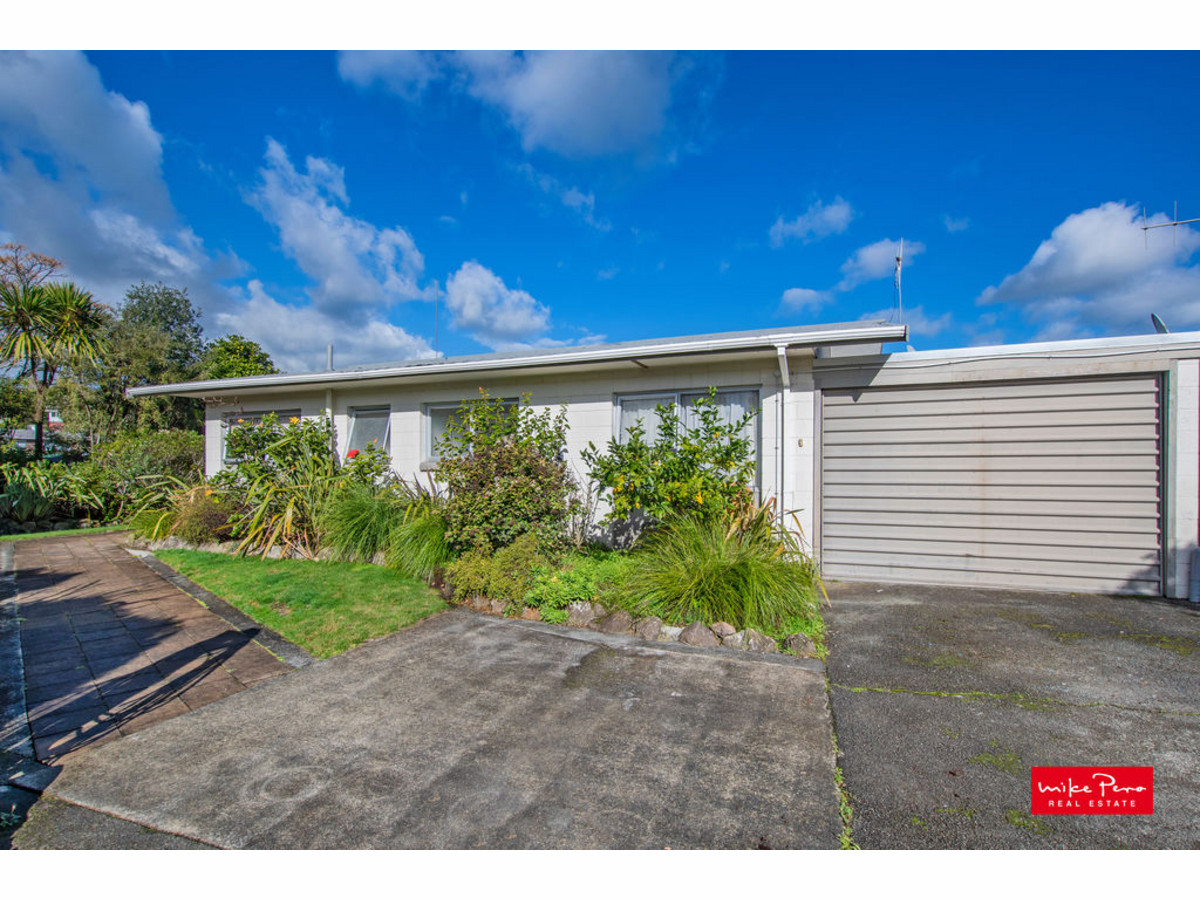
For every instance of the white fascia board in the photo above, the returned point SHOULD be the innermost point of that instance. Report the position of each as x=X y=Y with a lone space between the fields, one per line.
x=870 y=333
x=1181 y=342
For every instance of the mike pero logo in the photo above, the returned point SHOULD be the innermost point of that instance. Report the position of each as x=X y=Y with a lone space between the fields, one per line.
x=1091 y=790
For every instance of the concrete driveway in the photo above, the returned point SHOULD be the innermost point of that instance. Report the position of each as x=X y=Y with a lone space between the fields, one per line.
x=467 y=731
x=943 y=699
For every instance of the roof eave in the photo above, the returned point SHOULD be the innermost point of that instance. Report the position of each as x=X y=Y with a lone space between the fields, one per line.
x=317 y=380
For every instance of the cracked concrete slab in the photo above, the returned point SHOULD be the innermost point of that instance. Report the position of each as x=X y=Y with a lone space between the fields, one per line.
x=943 y=699
x=469 y=731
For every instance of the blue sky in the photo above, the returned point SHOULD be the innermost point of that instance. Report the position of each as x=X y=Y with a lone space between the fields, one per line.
x=557 y=198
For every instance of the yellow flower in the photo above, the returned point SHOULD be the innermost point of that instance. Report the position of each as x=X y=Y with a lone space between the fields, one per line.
x=241 y=421
x=295 y=420
x=699 y=499
x=208 y=492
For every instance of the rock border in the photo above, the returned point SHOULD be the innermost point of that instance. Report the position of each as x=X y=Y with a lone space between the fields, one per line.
x=594 y=616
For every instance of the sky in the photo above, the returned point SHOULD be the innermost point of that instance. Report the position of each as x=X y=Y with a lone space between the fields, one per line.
x=402 y=204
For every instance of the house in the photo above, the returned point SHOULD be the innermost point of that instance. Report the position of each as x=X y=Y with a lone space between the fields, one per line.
x=1069 y=465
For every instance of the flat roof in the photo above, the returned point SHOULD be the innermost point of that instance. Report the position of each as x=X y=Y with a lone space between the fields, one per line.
x=871 y=331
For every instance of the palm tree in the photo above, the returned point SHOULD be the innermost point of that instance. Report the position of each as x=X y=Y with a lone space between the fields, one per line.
x=41 y=328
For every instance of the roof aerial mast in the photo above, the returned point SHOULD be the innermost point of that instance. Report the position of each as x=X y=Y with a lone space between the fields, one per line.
x=899 y=294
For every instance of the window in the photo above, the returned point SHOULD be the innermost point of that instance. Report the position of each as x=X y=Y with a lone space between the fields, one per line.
x=437 y=417
x=733 y=405
x=251 y=418
x=370 y=425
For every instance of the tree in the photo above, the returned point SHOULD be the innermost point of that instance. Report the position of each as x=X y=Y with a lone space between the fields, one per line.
x=23 y=268
x=170 y=310
x=42 y=327
x=234 y=356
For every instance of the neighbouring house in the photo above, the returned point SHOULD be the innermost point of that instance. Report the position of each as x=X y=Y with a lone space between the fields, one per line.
x=1069 y=465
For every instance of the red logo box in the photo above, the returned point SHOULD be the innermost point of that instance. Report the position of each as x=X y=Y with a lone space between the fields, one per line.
x=1091 y=790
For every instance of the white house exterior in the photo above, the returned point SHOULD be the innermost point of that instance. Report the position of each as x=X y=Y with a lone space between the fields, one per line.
x=1059 y=466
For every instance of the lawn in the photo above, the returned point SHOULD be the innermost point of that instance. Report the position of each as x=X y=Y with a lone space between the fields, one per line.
x=324 y=607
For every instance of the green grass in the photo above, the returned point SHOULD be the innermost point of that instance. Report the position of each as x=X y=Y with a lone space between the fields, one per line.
x=67 y=532
x=325 y=607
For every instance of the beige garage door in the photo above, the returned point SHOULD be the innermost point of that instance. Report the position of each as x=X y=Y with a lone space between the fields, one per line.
x=1051 y=485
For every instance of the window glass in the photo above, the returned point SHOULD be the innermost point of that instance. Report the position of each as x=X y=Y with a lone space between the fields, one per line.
x=646 y=409
x=437 y=418
x=733 y=406
x=369 y=426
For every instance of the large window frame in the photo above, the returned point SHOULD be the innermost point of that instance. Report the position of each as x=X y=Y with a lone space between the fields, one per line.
x=678 y=398
x=365 y=412
x=429 y=459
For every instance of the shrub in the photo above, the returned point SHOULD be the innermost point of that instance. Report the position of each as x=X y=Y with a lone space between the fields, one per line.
x=44 y=489
x=505 y=575
x=744 y=572
x=283 y=476
x=580 y=577
x=505 y=470
x=418 y=546
x=179 y=454
x=153 y=524
x=703 y=471
x=202 y=516
x=358 y=520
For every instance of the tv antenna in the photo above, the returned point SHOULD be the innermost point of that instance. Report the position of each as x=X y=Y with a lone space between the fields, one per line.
x=1174 y=223
x=899 y=294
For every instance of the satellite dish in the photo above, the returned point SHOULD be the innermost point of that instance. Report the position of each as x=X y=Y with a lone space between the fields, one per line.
x=1158 y=324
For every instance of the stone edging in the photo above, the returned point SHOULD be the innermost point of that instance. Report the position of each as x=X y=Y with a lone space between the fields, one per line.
x=584 y=614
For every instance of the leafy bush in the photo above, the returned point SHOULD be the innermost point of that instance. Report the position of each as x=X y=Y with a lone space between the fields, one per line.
x=597 y=577
x=202 y=516
x=44 y=489
x=504 y=467
x=283 y=477
x=358 y=520
x=179 y=454
x=703 y=471
x=745 y=572
x=505 y=575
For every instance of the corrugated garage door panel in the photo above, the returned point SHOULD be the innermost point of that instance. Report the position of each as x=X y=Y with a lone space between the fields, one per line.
x=1052 y=485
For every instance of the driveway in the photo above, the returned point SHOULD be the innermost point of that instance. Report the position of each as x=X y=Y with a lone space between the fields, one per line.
x=943 y=698
x=468 y=731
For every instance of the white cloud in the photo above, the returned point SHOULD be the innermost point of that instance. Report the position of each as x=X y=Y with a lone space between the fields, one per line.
x=955 y=225
x=920 y=323
x=608 y=274
x=404 y=72
x=818 y=221
x=877 y=260
x=497 y=316
x=584 y=205
x=355 y=265
x=296 y=336
x=81 y=180
x=1099 y=273
x=803 y=300
x=575 y=103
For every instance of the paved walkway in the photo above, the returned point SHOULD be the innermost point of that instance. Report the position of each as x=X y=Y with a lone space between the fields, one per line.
x=110 y=647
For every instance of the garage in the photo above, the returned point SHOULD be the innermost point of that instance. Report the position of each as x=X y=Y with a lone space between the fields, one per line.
x=1052 y=484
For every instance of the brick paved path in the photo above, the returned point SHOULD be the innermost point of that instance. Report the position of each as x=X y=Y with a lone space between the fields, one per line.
x=110 y=647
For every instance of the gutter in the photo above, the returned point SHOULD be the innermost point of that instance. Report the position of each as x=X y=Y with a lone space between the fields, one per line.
x=871 y=333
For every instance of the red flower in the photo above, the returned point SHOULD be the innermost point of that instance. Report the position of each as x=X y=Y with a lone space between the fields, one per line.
x=352 y=454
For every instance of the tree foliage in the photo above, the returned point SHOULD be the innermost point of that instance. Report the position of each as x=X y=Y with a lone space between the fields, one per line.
x=234 y=356
x=701 y=471
x=505 y=469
